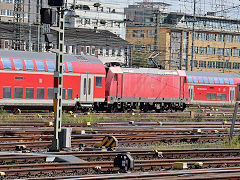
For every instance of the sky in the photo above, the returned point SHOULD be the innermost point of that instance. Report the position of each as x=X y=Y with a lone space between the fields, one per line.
x=230 y=8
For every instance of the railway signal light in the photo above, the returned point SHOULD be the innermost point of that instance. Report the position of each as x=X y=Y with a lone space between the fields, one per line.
x=124 y=161
x=48 y=16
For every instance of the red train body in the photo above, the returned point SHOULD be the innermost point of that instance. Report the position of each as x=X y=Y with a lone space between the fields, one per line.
x=27 y=80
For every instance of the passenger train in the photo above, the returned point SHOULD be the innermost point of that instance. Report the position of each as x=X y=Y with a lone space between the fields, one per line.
x=27 y=82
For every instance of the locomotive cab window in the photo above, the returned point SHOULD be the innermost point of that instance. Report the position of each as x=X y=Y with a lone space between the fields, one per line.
x=98 y=82
x=40 y=66
x=29 y=93
x=50 y=66
x=29 y=65
x=18 y=93
x=115 y=77
x=40 y=93
x=6 y=64
x=18 y=64
x=7 y=92
x=70 y=93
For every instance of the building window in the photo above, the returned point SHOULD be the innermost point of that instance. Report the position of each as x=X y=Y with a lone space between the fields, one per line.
x=195 y=63
x=138 y=33
x=202 y=64
x=236 y=39
x=202 y=50
x=195 y=50
x=107 y=51
x=196 y=35
x=220 y=51
x=228 y=52
x=228 y=38
x=219 y=65
x=227 y=65
x=235 y=52
x=220 y=37
x=203 y=36
x=211 y=64
x=212 y=37
x=211 y=51
x=151 y=33
x=236 y=65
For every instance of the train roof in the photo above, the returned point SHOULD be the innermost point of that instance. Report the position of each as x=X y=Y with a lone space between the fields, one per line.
x=154 y=71
x=212 y=74
x=47 y=56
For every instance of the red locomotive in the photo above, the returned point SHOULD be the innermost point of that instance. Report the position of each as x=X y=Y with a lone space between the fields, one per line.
x=27 y=80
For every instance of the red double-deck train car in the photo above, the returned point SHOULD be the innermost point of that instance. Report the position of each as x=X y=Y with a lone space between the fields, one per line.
x=27 y=80
x=147 y=88
x=207 y=88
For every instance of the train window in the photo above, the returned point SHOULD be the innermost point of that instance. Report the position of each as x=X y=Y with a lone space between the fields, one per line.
x=221 y=80
x=211 y=80
x=226 y=80
x=206 y=80
x=29 y=65
x=224 y=96
x=7 y=92
x=6 y=63
x=195 y=79
x=63 y=93
x=18 y=64
x=89 y=86
x=18 y=93
x=216 y=80
x=18 y=78
x=50 y=93
x=209 y=96
x=98 y=82
x=40 y=66
x=29 y=93
x=214 y=96
x=219 y=96
x=190 y=80
x=231 y=81
x=84 y=86
x=40 y=93
x=70 y=68
x=50 y=66
x=115 y=77
x=70 y=93
x=200 y=79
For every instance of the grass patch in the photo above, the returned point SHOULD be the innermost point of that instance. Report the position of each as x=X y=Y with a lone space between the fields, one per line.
x=92 y=118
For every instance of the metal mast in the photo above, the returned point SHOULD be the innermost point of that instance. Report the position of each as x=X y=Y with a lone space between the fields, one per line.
x=19 y=20
x=193 y=34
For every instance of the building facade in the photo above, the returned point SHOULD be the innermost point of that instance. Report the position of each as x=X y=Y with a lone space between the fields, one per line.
x=95 y=15
x=215 y=40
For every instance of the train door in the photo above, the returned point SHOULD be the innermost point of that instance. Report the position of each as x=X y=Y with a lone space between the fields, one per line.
x=238 y=92
x=191 y=93
x=231 y=94
x=87 y=88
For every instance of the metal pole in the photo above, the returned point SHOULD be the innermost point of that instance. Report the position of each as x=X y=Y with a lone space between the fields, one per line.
x=29 y=26
x=193 y=34
x=58 y=82
x=233 y=120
